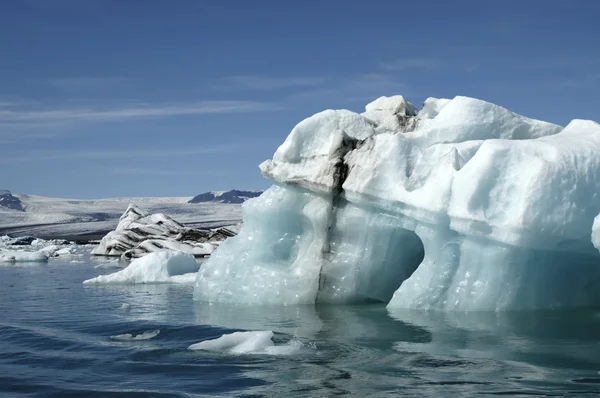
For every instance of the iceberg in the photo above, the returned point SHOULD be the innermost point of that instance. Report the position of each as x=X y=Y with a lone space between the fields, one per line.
x=139 y=233
x=462 y=205
x=157 y=267
x=30 y=249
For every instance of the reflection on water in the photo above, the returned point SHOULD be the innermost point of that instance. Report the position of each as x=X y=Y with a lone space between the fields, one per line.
x=55 y=339
x=363 y=349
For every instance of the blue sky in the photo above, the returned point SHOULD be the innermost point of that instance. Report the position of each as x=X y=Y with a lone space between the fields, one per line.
x=173 y=98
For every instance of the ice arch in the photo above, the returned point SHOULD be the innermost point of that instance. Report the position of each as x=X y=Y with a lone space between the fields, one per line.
x=297 y=248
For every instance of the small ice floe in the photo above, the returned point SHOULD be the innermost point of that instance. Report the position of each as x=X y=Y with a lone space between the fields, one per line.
x=56 y=251
x=142 y=336
x=109 y=265
x=125 y=307
x=258 y=342
x=158 y=267
x=22 y=256
x=65 y=251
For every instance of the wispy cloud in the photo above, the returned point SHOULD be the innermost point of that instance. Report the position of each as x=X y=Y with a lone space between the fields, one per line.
x=136 y=112
x=113 y=154
x=70 y=83
x=266 y=82
x=7 y=104
x=404 y=64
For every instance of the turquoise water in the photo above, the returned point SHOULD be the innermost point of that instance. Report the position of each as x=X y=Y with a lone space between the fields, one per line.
x=55 y=341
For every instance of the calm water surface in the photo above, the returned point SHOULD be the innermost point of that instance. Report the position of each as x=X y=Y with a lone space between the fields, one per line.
x=55 y=342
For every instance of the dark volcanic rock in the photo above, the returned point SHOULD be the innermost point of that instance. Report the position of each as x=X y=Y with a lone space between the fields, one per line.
x=233 y=196
x=9 y=201
x=23 y=240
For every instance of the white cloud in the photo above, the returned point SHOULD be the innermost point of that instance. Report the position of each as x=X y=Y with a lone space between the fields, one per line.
x=112 y=154
x=70 y=83
x=136 y=112
x=6 y=104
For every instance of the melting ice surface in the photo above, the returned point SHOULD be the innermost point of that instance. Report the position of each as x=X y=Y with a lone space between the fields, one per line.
x=255 y=342
x=462 y=205
x=157 y=267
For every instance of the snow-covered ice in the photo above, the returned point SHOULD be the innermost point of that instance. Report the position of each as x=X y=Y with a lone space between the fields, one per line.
x=157 y=267
x=22 y=256
x=462 y=205
x=30 y=249
x=258 y=342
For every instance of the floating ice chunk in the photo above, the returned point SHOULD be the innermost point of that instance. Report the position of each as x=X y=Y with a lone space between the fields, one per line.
x=139 y=233
x=158 y=267
x=185 y=279
x=108 y=265
x=56 y=250
x=125 y=307
x=142 y=336
x=238 y=343
x=64 y=251
x=50 y=250
x=22 y=256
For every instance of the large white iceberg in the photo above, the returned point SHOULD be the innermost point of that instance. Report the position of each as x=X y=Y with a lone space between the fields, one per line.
x=462 y=205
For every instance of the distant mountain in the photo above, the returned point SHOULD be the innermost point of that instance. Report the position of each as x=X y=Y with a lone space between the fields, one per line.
x=8 y=201
x=233 y=196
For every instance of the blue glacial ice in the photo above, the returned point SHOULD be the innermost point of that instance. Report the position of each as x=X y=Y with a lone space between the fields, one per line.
x=459 y=206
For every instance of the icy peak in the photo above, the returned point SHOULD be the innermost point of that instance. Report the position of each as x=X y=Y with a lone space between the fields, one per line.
x=391 y=113
x=395 y=104
x=132 y=214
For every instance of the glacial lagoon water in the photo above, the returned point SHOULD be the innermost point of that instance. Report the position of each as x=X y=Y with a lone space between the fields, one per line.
x=55 y=341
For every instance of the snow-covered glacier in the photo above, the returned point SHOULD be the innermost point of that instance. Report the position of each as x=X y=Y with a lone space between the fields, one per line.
x=461 y=205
